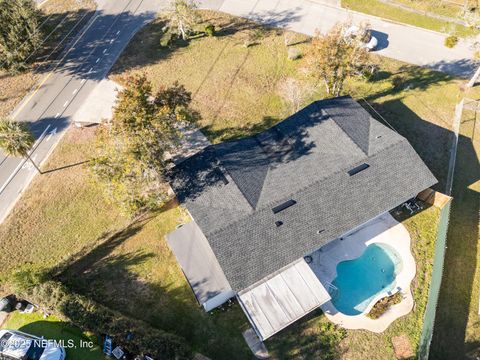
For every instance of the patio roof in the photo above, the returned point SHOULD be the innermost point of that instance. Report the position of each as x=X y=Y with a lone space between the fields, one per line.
x=283 y=298
x=198 y=262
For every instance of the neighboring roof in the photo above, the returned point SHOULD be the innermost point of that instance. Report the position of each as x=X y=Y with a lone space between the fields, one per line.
x=198 y=262
x=231 y=188
x=283 y=298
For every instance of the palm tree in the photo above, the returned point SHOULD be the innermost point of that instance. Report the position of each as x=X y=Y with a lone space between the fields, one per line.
x=16 y=139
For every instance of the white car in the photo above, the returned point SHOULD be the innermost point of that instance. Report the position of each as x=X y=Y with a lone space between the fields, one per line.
x=368 y=41
x=17 y=345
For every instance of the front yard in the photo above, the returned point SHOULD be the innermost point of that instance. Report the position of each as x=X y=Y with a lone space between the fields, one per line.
x=63 y=220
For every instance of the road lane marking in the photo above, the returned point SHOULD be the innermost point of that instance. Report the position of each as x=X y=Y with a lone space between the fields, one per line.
x=83 y=81
x=111 y=41
x=65 y=104
x=74 y=91
x=118 y=32
x=52 y=71
x=57 y=115
x=98 y=59
x=51 y=133
x=89 y=71
x=35 y=145
x=104 y=50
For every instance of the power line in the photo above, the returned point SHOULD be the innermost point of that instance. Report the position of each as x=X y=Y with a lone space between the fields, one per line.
x=47 y=37
x=376 y=112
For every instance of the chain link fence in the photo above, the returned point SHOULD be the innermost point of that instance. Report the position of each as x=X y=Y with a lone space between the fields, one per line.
x=437 y=272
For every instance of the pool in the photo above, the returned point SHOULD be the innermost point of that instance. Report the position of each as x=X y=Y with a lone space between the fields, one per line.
x=358 y=281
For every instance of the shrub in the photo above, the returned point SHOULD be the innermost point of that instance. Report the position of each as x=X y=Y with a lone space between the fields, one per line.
x=384 y=304
x=210 y=30
x=91 y=316
x=398 y=82
x=294 y=54
x=451 y=41
x=166 y=38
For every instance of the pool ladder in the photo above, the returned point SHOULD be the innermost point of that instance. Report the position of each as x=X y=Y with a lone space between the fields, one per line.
x=332 y=290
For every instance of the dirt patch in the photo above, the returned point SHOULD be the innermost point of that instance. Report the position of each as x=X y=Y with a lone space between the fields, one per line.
x=402 y=347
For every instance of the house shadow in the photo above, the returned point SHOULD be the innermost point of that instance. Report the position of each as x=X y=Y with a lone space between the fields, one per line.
x=433 y=144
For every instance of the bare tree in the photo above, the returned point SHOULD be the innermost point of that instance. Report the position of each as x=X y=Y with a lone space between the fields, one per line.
x=293 y=92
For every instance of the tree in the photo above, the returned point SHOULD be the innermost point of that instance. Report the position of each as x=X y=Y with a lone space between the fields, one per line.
x=293 y=93
x=334 y=57
x=132 y=151
x=19 y=33
x=16 y=140
x=184 y=17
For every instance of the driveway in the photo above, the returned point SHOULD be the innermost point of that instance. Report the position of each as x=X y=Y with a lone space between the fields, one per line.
x=402 y=42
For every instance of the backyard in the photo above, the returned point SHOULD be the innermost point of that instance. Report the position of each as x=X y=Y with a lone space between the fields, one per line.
x=63 y=221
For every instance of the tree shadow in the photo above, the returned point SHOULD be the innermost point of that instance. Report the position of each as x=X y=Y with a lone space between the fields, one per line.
x=310 y=338
x=105 y=274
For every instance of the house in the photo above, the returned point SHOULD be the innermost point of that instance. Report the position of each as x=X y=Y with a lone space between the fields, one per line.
x=260 y=204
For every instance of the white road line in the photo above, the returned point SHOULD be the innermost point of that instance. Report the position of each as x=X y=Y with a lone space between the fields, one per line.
x=112 y=40
x=97 y=61
x=74 y=91
x=104 y=51
x=83 y=81
x=57 y=115
x=118 y=32
x=24 y=160
x=65 y=104
x=89 y=71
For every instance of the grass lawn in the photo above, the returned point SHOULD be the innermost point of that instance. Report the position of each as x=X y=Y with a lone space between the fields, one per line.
x=129 y=266
x=386 y=11
x=59 y=17
x=54 y=329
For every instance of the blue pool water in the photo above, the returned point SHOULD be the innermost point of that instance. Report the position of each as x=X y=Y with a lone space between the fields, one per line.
x=361 y=279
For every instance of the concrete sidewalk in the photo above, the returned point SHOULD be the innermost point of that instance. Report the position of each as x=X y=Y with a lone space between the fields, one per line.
x=398 y=41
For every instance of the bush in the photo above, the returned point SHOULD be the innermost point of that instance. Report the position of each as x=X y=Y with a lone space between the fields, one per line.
x=91 y=316
x=294 y=54
x=166 y=38
x=383 y=305
x=398 y=82
x=451 y=41
x=210 y=30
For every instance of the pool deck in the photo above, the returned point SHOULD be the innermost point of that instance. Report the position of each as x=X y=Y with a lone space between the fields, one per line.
x=384 y=229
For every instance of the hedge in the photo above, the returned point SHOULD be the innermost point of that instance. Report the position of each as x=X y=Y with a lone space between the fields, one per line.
x=136 y=336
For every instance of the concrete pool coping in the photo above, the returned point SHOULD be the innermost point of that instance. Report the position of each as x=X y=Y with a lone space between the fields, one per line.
x=384 y=229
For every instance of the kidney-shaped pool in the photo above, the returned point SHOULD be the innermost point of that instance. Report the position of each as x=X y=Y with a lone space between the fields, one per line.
x=358 y=281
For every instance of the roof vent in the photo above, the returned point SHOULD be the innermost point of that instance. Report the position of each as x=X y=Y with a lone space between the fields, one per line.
x=283 y=206
x=357 y=169
x=320 y=231
x=278 y=223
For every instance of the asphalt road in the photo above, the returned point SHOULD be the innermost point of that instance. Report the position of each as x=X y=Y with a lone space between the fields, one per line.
x=49 y=108
x=398 y=41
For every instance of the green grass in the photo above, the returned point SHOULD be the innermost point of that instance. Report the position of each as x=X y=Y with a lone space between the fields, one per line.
x=54 y=329
x=378 y=8
x=236 y=89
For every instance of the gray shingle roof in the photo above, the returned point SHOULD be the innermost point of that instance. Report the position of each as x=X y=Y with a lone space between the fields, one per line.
x=231 y=188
